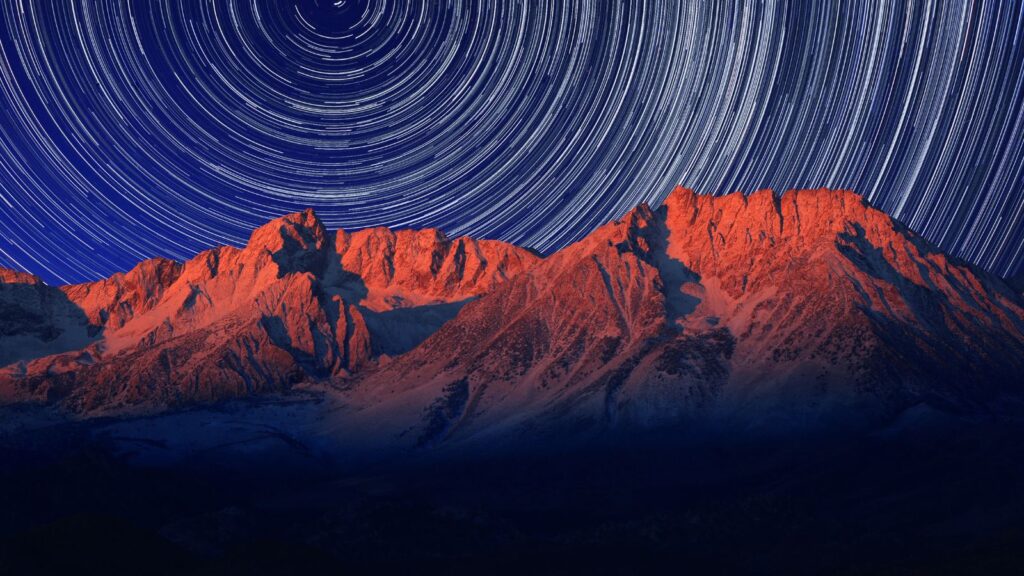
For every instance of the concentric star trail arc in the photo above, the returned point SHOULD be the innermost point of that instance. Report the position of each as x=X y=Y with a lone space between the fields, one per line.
x=161 y=128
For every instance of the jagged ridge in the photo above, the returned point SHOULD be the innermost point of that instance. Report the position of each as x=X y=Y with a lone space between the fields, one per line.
x=792 y=310
x=297 y=303
x=799 y=308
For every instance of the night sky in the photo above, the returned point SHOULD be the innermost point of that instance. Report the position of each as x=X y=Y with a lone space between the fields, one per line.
x=161 y=128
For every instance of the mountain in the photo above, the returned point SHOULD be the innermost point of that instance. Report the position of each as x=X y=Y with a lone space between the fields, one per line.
x=113 y=302
x=718 y=381
x=805 y=309
x=297 y=303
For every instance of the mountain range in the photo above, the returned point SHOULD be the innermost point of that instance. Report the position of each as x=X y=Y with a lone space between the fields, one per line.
x=809 y=308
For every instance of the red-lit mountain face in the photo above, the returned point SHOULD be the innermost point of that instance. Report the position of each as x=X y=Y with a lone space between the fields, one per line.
x=297 y=303
x=809 y=308
x=752 y=310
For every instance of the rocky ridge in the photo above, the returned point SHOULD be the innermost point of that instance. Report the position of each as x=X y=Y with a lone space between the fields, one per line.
x=297 y=303
x=802 y=309
x=793 y=310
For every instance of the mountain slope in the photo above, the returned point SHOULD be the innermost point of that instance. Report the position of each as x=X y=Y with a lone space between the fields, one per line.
x=297 y=303
x=38 y=320
x=807 y=308
x=113 y=302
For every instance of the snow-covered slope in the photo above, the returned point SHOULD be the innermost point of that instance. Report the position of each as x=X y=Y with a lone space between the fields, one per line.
x=38 y=320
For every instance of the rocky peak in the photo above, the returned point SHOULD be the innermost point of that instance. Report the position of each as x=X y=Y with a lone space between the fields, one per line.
x=423 y=265
x=295 y=242
x=153 y=271
x=8 y=276
x=297 y=302
x=756 y=307
x=113 y=301
x=811 y=211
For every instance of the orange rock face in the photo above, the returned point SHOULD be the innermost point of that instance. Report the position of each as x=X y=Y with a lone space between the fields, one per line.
x=298 y=303
x=791 y=308
x=113 y=302
x=425 y=265
x=14 y=277
x=739 y=308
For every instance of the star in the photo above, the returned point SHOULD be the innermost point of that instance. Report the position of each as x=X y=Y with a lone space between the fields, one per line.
x=133 y=130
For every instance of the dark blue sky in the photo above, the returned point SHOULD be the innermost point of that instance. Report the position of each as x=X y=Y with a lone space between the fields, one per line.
x=131 y=130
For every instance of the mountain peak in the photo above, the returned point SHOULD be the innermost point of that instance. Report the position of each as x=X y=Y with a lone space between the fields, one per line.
x=836 y=198
x=297 y=302
x=830 y=204
x=810 y=298
x=681 y=195
x=301 y=227
x=295 y=241
x=152 y=266
x=803 y=213
x=763 y=307
x=8 y=276
x=425 y=264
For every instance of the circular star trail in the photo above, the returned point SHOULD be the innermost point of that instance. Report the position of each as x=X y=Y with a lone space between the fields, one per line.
x=138 y=129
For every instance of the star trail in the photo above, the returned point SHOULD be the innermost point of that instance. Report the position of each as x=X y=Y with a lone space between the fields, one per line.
x=137 y=129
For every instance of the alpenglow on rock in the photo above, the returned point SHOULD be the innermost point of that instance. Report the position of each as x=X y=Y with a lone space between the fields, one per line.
x=297 y=303
x=806 y=309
